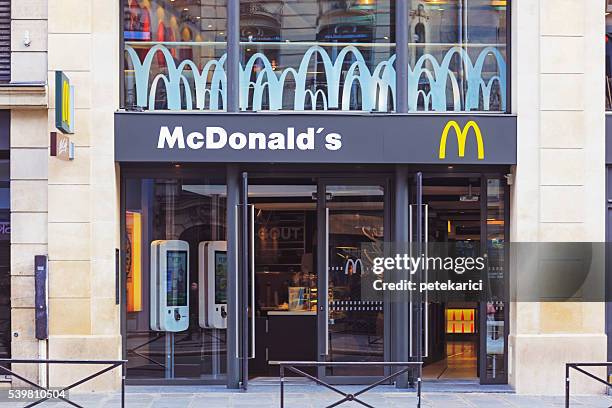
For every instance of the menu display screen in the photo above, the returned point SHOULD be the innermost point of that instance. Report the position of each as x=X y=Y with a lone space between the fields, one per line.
x=176 y=285
x=220 y=277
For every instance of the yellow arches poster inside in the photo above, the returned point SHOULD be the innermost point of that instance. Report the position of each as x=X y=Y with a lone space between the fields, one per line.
x=133 y=224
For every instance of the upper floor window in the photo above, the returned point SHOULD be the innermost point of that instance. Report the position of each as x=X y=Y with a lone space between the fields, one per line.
x=457 y=56
x=5 y=41
x=174 y=54
x=317 y=55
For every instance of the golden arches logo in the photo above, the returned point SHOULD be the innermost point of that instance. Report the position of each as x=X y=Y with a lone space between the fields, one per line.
x=66 y=102
x=462 y=135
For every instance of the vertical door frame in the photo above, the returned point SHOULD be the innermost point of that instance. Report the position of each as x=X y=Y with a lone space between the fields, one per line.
x=608 y=280
x=400 y=317
x=482 y=310
x=243 y=281
x=234 y=372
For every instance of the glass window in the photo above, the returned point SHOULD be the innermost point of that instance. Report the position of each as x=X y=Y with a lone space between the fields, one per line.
x=457 y=55
x=174 y=323
x=317 y=55
x=174 y=54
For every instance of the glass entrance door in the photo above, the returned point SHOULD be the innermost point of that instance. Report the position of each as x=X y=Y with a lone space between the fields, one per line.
x=351 y=324
x=312 y=240
x=494 y=327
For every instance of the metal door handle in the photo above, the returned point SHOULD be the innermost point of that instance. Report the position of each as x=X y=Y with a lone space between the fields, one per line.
x=426 y=276
x=252 y=266
x=237 y=294
x=325 y=294
x=411 y=313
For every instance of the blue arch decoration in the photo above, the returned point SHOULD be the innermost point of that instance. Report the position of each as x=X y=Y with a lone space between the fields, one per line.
x=433 y=83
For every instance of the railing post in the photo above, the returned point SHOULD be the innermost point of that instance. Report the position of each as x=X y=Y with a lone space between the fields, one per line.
x=567 y=386
x=123 y=385
x=419 y=390
x=282 y=386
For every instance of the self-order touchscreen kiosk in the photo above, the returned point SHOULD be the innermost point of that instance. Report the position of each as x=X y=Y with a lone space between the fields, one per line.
x=213 y=292
x=169 y=285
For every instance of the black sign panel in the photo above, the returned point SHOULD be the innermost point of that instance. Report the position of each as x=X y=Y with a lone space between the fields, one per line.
x=315 y=138
x=40 y=296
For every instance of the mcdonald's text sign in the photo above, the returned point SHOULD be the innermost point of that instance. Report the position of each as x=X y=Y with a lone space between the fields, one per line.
x=362 y=138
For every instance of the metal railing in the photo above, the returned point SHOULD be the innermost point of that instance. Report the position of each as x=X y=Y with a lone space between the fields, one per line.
x=346 y=397
x=112 y=364
x=576 y=366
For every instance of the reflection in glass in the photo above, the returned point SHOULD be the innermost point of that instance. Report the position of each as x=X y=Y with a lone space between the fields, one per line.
x=316 y=55
x=285 y=225
x=171 y=209
x=495 y=307
x=319 y=55
x=457 y=55
x=174 y=54
x=356 y=326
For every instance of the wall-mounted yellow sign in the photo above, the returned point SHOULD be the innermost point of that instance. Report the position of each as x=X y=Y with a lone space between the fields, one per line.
x=461 y=135
x=64 y=103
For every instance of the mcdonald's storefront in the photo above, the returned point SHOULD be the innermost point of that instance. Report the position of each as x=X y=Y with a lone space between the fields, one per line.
x=270 y=213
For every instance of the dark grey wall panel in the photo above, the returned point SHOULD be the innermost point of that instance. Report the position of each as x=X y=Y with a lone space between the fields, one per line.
x=366 y=138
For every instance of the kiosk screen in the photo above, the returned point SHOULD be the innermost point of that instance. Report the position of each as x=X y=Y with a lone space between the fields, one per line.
x=177 y=275
x=220 y=277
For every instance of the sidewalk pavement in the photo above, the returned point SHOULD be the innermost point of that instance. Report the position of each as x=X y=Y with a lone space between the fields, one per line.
x=303 y=396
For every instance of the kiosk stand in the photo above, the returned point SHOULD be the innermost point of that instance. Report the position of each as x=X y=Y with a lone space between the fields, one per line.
x=169 y=311
x=213 y=273
x=213 y=294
